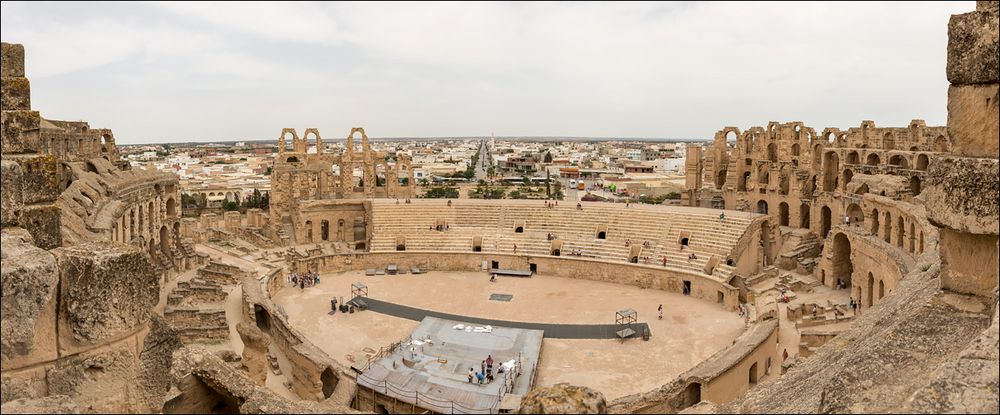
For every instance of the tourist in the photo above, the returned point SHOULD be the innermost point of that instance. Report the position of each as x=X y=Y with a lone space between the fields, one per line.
x=814 y=310
x=847 y=220
x=472 y=373
x=480 y=377
x=493 y=277
x=660 y=311
x=664 y=260
x=397 y=200
x=449 y=203
x=489 y=364
x=482 y=368
x=302 y=284
x=489 y=378
x=722 y=217
x=515 y=248
x=579 y=206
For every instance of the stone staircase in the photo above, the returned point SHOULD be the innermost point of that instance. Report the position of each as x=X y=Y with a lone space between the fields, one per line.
x=800 y=251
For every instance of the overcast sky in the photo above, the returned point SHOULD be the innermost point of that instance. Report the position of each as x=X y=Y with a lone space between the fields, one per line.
x=223 y=71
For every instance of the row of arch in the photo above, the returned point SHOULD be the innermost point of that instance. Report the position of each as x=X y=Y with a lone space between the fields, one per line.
x=321 y=230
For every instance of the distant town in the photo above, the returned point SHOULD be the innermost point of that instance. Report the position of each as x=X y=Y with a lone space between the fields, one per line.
x=236 y=175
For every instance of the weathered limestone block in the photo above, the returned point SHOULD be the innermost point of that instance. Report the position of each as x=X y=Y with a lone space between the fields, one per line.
x=972 y=48
x=255 y=344
x=11 y=60
x=973 y=118
x=19 y=131
x=104 y=378
x=43 y=222
x=154 y=363
x=968 y=262
x=15 y=94
x=202 y=382
x=29 y=280
x=563 y=398
x=11 y=201
x=24 y=384
x=56 y=404
x=39 y=178
x=107 y=290
x=962 y=194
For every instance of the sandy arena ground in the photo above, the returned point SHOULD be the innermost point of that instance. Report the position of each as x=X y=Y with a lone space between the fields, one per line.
x=691 y=330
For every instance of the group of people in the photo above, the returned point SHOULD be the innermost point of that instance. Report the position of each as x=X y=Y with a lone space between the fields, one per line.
x=440 y=228
x=576 y=252
x=485 y=374
x=692 y=257
x=551 y=204
x=550 y=236
x=308 y=279
x=407 y=201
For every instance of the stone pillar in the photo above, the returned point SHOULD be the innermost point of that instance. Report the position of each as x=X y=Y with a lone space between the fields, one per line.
x=232 y=220
x=255 y=344
x=964 y=187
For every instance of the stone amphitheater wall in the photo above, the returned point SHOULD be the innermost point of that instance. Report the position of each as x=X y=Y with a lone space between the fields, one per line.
x=643 y=276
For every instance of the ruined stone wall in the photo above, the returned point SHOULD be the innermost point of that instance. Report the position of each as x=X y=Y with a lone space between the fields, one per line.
x=300 y=177
x=77 y=303
x=702 y=286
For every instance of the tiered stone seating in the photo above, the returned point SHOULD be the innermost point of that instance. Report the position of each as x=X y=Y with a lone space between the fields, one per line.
x=495 y=222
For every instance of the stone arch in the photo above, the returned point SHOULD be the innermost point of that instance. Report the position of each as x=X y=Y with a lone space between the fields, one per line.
x=171 y=207
x=772 y=153
x=152 y=217
x=827 y=219
x=340 y=230
x=831 y=165
x=804 y=216
x=841 y=266
x=783 y=214
x=309 y=231
x=922 y=162
x=720 y=179
x=913 y=238
x=324 y=230
x=795 y=150
x=763 y=175
x=875 y=224
x=742 y=184
x=853 y=158
x=915 y=187
x=900 y=161
x=765 y=242
x=292 y=159
x=762 y=207
x=856 y=215
x=881 y=290
x=873 y=159
x=861 y=189
x=848 y=175
x=164 y=240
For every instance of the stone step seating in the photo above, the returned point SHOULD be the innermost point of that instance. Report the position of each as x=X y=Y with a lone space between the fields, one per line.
x=577 y=229
x=198 y=325
x=194 y=291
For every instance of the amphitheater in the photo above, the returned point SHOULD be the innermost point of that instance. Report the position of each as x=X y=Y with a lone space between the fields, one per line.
x=114 y=302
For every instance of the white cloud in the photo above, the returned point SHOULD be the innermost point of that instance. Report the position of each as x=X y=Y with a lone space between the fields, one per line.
x=436 y=69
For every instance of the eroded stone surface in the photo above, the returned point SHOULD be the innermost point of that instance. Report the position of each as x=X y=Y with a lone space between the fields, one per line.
x=107 y=289
x=563 y=398
x=29 y=280
x=972 y=48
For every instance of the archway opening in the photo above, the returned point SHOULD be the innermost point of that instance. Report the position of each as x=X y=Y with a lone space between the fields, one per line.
x=873 y=160
x=915 y=187
x=875 y=224
x=753 y=374
x=922 y=162
x=330 y=381
x=855 y=214
x=772 y=153
x=899 y=161
x=720 y=179
x=783 y=214
x=804 y=216
x=871 y=288
x=762 y=207
x=827 y=218
x=841 y=265
x=831 y=166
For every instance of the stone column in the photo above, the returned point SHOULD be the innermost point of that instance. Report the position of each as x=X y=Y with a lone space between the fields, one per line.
x=255 y=344
x=964 y=187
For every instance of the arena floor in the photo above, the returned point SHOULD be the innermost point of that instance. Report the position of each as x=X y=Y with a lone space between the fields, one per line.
x=691 y=330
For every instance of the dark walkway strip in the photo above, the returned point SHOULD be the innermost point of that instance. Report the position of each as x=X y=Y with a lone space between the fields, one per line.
x=553 y=331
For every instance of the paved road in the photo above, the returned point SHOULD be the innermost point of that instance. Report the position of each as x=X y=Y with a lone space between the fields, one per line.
x=482 y=168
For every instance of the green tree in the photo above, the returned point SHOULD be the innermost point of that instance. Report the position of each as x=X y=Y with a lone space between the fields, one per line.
x=442 y=192
x=548 y=157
